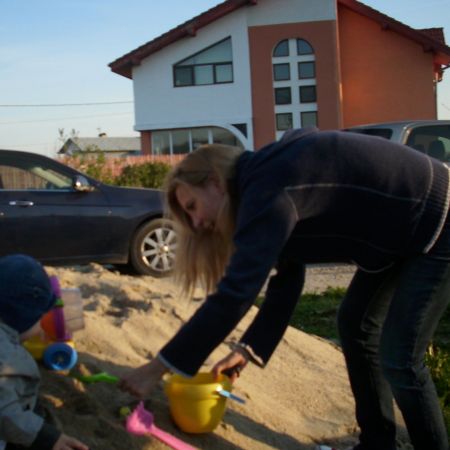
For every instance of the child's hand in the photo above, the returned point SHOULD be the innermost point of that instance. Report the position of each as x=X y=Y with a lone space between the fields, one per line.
x=69 y=443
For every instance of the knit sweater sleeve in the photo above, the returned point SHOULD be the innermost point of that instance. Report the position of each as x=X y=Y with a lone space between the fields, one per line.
x=264 y=225
x=272 y=319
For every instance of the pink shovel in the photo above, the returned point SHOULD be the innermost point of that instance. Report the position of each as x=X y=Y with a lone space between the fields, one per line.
x=140 y=422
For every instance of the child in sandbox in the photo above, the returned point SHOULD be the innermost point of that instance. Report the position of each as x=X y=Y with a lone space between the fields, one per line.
x=25 y=296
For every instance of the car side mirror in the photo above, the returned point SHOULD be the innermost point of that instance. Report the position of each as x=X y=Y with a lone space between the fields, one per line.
x=81 y=184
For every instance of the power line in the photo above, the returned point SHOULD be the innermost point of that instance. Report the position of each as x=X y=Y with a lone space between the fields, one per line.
x=52 y=105
x=60 y=119
x=19 y=146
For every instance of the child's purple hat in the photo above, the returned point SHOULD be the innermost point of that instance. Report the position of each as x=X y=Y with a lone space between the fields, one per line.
x=25 y=291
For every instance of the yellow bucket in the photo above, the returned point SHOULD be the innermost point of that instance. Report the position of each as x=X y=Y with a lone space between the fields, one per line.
x=195 y=404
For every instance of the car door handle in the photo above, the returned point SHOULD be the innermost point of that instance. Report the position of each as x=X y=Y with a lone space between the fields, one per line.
x=21 y=203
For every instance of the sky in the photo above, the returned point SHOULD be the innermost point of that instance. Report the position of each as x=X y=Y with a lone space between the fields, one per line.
x=56 y=52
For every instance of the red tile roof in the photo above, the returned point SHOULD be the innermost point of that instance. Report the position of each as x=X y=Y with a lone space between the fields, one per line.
x=436 y=34
x=431 y=39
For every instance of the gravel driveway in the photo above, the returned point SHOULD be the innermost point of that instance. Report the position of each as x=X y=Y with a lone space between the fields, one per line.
x=321 y=276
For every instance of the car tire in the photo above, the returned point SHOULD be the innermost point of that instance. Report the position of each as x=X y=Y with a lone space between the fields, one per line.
x=152 y=249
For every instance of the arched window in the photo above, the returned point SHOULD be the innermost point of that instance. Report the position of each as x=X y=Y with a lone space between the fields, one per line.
x=281 y=49
x=304 y=47
x=294 y=85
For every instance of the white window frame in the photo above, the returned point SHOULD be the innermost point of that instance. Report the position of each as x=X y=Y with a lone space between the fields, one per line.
x=296 y=108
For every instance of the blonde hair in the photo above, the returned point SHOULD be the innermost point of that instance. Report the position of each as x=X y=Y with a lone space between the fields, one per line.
x=201 y=256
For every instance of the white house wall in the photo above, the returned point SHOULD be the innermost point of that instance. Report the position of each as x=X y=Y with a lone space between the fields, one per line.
x=160 y=105
x=275 y=12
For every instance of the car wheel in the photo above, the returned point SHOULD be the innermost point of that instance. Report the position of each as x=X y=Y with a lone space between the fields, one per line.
x=152 y=250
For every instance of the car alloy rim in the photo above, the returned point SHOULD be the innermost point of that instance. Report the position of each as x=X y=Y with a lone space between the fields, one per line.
x=158 y=249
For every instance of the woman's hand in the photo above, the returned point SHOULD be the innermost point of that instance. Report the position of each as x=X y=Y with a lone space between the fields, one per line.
x=233 y=363
x=65 y=442
x=140 y=382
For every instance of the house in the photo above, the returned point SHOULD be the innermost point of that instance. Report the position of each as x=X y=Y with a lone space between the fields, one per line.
x=246 y=70
x=109 y=146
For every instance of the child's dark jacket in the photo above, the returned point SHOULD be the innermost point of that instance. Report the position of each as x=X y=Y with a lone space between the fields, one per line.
x=313 y=197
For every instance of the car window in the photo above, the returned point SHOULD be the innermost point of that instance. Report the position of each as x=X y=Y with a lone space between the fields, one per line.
x=434 y=140
x=20 y=175
x=380 y=132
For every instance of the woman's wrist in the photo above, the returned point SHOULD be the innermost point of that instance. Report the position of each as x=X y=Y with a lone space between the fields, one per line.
x=247 y=352
x=157 y=367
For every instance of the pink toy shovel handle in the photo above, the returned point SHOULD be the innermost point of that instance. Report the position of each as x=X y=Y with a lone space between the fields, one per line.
x=170 y=440
x=140 y=422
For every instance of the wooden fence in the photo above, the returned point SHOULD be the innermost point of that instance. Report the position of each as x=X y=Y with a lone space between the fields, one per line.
x=14 y=178
x=115 y=165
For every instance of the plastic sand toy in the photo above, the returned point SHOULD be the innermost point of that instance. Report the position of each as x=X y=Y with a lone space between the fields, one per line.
x=140 y=422
x=198 y=404
x=230 y=395
x=97 y=378
x=55 y=347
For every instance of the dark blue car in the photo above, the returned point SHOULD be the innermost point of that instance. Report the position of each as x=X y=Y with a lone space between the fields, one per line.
x=61 y=216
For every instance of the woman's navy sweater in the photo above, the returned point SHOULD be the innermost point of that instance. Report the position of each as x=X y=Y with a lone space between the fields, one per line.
x=312 y=197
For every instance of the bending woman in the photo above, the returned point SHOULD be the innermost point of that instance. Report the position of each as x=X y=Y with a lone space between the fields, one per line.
x=317 y=197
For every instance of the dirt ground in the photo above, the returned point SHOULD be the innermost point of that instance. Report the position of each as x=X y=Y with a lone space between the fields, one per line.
x=301 y=398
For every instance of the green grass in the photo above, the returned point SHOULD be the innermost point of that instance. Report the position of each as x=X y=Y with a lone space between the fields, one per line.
x=316 y=314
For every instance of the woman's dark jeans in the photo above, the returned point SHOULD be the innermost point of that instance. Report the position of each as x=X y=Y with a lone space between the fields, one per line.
x=386 y=322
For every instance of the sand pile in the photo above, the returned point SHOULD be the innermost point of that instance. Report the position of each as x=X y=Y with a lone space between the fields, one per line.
x=300 y=399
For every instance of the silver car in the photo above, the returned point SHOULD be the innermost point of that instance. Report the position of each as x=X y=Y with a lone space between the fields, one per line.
x=427 y=136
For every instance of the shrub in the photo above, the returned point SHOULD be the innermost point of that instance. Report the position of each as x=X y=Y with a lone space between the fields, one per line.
x=92 y=164
x=148 y=175
x=96 y=165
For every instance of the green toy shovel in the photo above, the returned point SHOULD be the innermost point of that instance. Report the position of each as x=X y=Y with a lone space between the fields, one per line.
x=98 y=377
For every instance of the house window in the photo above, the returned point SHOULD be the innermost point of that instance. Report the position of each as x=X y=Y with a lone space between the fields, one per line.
x=284 y=121
x=204 y=74
x=200 y=136
x=223 y=73
x=281 y=72
x=184 y=76
x=304 y=47
x=212 y=65
x=184 y=140
x=294 y=84
x=242 y=127
x=281 y=49
x=223 y=136
x=308 y=119
x=180 y=141
x=283 y=96
x=161 y=143
x=308 y=94
x=306 y=70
